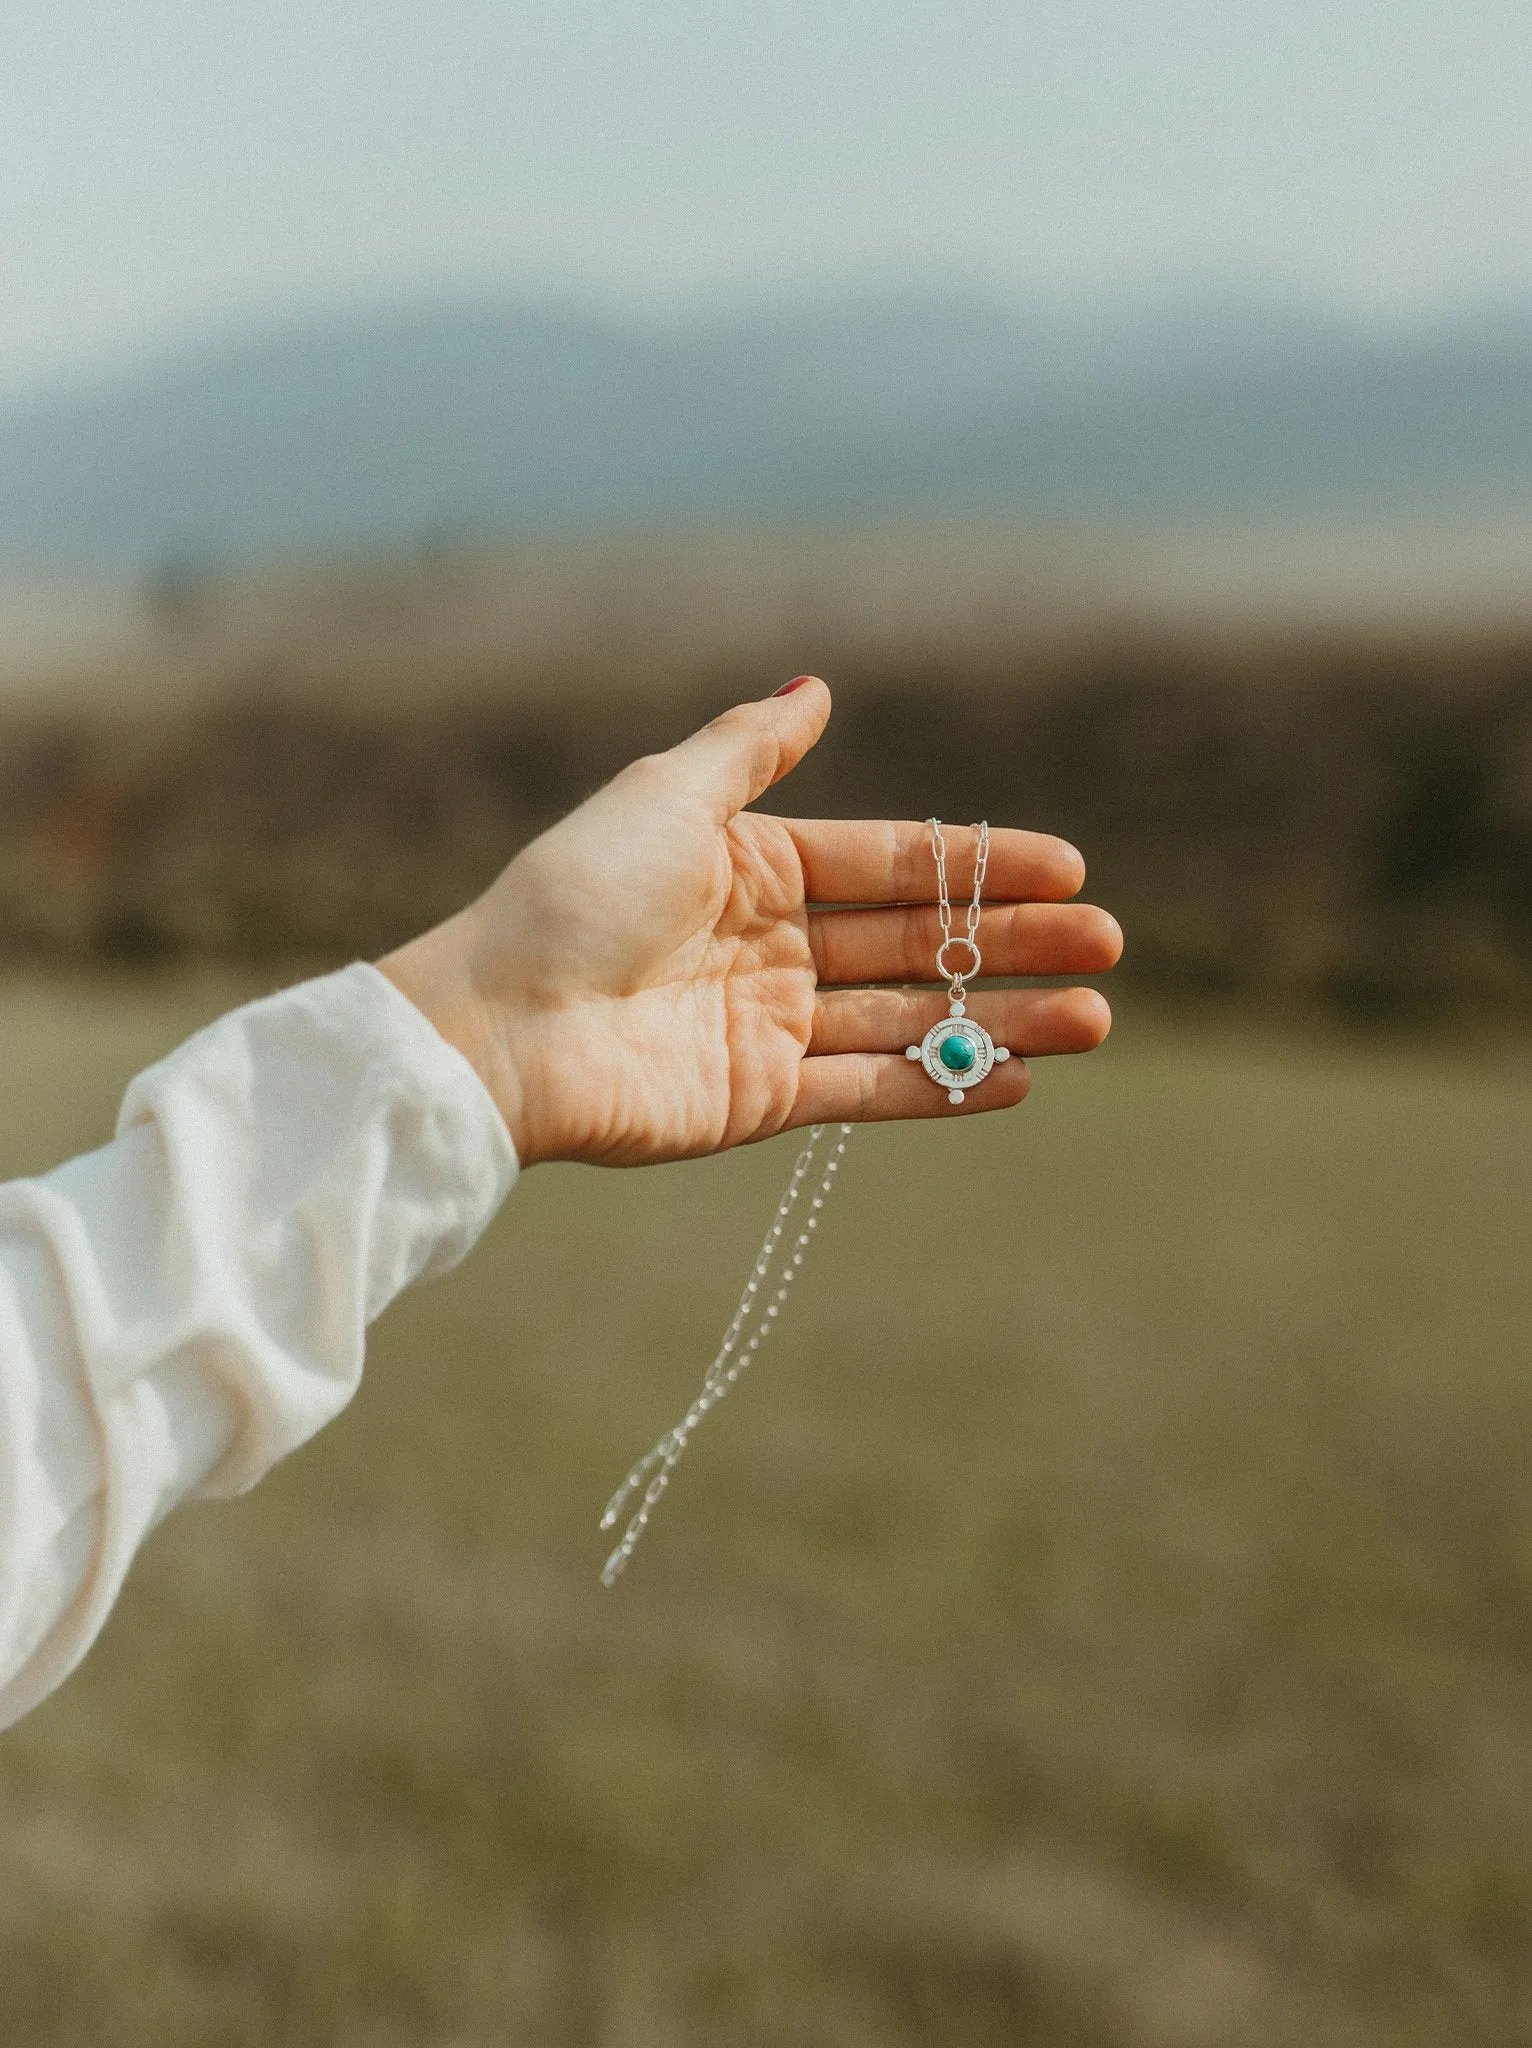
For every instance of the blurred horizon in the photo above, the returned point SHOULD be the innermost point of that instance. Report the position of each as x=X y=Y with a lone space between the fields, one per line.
x=470 y=419
x=280 y=286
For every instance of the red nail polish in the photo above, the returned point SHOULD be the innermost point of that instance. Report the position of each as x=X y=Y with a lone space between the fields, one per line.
x=797 y=683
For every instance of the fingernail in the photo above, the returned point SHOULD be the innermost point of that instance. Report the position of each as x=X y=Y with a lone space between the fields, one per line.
x=797 y=683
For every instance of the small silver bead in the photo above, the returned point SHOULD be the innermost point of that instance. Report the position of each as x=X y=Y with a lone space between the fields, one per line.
x=912 y=1052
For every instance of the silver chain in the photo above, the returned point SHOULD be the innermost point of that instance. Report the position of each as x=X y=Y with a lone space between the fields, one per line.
x=755 y=1319
x=753 y=1323
x=969 y=937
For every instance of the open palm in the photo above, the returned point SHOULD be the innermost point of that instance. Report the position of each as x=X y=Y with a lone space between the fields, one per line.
x=664 y=973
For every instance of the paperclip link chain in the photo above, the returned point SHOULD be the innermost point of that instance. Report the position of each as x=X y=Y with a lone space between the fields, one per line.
x=969 y=937
x=754 y=1321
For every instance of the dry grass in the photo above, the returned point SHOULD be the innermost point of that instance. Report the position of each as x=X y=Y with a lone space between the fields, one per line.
x=1107 y=1620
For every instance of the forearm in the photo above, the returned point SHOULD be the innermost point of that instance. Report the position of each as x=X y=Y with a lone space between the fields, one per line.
x=185 y=1306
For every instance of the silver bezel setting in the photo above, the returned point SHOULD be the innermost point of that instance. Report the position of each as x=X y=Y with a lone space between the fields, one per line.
x=957 y=1027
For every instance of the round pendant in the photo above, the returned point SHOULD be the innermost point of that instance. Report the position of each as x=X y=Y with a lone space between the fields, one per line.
x=957 y=1053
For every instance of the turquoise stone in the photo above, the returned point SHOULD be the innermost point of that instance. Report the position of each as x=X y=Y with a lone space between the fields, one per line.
x=957 y=1053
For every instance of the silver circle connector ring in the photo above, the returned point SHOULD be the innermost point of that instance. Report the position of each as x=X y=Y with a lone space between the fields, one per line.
x=952 y=974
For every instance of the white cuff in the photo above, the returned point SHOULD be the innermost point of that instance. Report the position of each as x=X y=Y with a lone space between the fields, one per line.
x=182 y=1308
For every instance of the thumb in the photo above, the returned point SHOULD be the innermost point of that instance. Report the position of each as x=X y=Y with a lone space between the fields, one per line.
x=732 y=760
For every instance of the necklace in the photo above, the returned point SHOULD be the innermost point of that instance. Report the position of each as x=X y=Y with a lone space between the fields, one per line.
x=957 y=1054
x=754 y=1320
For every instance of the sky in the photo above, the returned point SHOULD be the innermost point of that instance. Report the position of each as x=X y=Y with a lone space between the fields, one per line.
x=169 y=169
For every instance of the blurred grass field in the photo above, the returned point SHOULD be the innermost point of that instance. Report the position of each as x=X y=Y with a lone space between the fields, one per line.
x=1105 y=1620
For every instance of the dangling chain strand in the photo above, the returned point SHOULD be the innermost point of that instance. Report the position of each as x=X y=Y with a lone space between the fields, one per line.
x=957 y=1054
x=751 y=1326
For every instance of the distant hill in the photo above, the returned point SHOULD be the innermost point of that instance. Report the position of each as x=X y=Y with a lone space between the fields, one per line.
x=461 y=418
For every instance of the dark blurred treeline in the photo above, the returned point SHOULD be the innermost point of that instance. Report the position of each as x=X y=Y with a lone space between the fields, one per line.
x=1332 y=821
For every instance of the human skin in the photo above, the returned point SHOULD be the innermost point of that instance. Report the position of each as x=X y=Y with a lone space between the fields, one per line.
x=656 y=977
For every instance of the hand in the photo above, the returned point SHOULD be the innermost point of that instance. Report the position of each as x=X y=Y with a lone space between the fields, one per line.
x=647 y=980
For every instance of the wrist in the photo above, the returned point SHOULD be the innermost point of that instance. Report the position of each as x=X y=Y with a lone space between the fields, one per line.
x=436 y=973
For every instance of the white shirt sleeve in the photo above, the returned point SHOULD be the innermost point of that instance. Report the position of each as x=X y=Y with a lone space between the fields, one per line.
x=185 y=1306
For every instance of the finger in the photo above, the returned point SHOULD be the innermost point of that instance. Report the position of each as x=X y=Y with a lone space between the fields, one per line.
x=1017 y=938
x=879 y=860
x=731 y=761
x=1034 y=1022
x=876 y=1087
